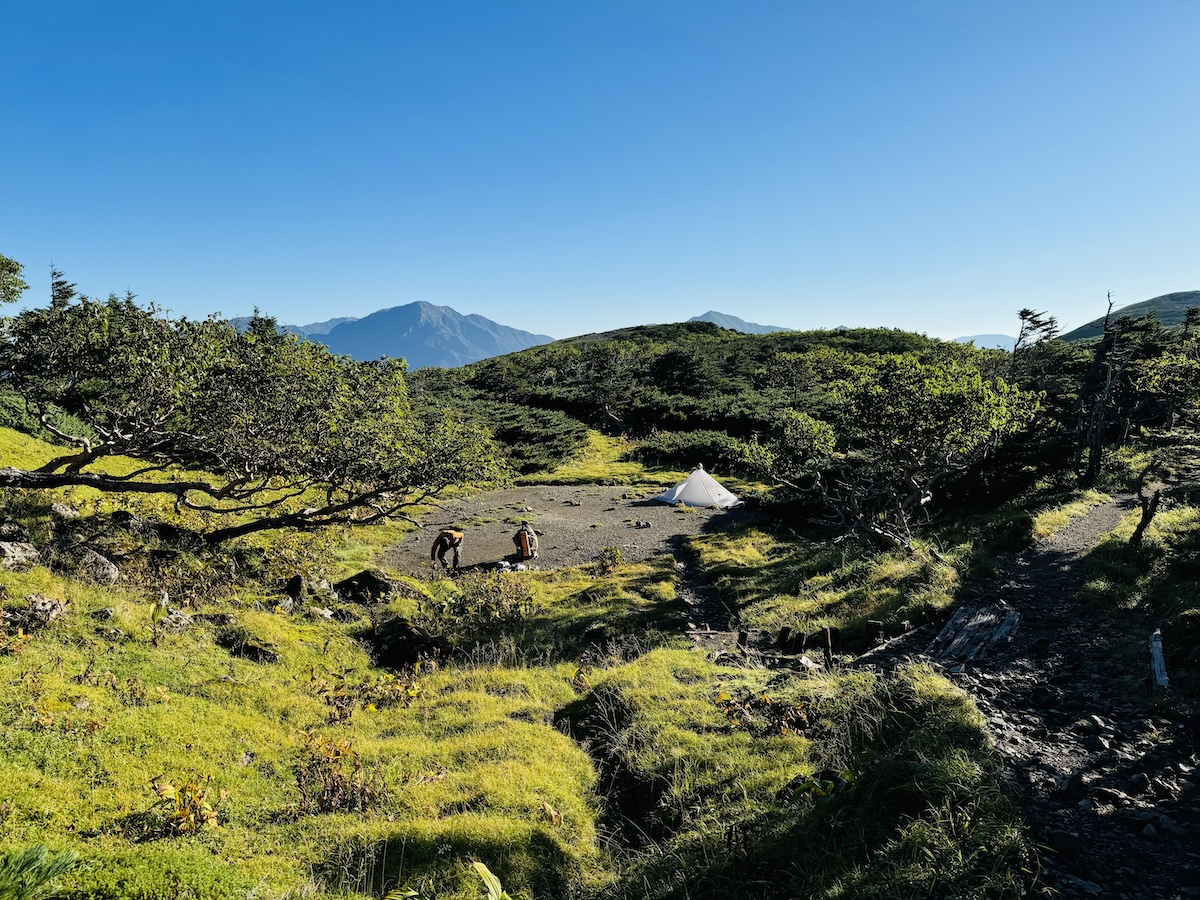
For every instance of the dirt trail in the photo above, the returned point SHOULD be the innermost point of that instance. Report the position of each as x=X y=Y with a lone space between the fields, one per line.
x=1110 y=791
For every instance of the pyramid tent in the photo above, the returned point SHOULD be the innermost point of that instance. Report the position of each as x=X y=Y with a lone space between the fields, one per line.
x=699 y=489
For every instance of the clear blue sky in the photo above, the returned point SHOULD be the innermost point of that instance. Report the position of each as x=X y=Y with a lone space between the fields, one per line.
x=570 y=166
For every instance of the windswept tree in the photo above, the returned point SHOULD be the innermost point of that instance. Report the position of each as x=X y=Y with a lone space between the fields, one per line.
x=902 y=428
x=12 y=285
x=908 y=426
x=257 y=429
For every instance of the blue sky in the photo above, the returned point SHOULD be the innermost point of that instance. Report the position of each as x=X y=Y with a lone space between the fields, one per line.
x=567 y=167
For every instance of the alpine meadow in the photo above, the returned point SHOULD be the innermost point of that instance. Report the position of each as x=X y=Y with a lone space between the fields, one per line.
x=914 y=661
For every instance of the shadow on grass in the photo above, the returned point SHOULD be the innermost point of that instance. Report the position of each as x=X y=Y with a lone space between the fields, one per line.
x=523 y=855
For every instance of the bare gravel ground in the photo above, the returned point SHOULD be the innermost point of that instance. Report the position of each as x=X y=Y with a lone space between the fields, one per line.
x=574 y=522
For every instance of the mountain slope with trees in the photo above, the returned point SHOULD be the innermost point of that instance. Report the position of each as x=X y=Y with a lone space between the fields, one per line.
x=1169 y=310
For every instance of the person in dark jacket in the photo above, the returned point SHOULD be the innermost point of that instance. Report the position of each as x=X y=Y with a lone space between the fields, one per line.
x=447 y=540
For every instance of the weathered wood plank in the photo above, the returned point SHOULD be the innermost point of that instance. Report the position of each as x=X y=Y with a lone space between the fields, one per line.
x=973 y=632
x=1157 y=663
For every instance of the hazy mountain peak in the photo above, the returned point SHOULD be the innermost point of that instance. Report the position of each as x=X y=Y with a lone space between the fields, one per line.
x=427 y=335
x=733 y=323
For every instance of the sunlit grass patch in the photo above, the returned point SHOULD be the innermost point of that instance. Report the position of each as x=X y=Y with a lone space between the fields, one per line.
x=1056 y=518
x=601 y=461
x=92 y=711
x=805 y=585
x=857 y=770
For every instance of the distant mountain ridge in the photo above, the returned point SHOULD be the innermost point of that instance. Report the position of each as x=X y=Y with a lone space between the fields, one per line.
x=1168 y=309
x=989 y=341
x=241 y=323
x=420 y=332
x=426 y=335
x=733 y=323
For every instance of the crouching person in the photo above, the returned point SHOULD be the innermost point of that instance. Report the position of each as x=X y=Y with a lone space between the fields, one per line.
x=526 y=542
x=446 y=541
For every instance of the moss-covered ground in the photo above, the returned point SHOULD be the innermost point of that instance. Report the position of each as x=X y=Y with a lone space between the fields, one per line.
x=567 y=737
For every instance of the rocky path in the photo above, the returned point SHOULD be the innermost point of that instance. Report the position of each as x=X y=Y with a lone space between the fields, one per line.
x=709 y=618
x=1110 y=791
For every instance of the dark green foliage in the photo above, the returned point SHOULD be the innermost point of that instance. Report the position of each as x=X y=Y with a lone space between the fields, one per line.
x=669 y=377
x=646 y=381
x=12 y=285
x=292 y=435
x=715 y=450
x=29 y=874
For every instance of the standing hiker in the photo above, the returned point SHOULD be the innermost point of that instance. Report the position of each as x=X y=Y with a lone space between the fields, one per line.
x=447 y=539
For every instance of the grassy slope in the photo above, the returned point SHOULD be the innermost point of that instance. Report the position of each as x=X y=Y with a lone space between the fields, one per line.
x=469 y=764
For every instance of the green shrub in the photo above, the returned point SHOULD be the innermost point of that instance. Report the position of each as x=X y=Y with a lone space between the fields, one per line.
x=715 y=450
x=30 y=874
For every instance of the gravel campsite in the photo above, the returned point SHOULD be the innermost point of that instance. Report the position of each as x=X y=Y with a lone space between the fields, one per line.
x=574 y=524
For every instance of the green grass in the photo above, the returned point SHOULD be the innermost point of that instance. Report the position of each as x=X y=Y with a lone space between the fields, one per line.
x=1135 y=590
x=606 y=460
x=602 y=461
x=920 y=809
x=475 y=760
x=1055 y=518
x=806 y=586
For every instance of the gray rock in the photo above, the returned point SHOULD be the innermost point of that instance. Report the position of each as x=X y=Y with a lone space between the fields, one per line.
x=303 y=587
x=1096 y=743
x=1063 y=841
x=39 y=611
x=366 y=587
x=13 y=531
x=1089 y=888
x=1110 y=795
x=1071 y=785
x=18 y=554
x=176 y=620
x=1169 y=826
x=94 y=567
x=1137 y=784
x=62 y=512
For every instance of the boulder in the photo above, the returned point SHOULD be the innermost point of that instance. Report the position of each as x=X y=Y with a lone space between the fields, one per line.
x=176 y=621
x=13 y=531
x=18 y=554
x=91 y=565
x=368 y=586
x=399 y=644
x=302 y=587
x=39 y=612
x=62 y=512
x=240 y=642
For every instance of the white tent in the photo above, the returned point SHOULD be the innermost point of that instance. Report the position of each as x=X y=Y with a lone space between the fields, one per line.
x=700 y=489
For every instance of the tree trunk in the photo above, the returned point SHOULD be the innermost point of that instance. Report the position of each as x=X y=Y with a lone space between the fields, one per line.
x=1149 y=508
